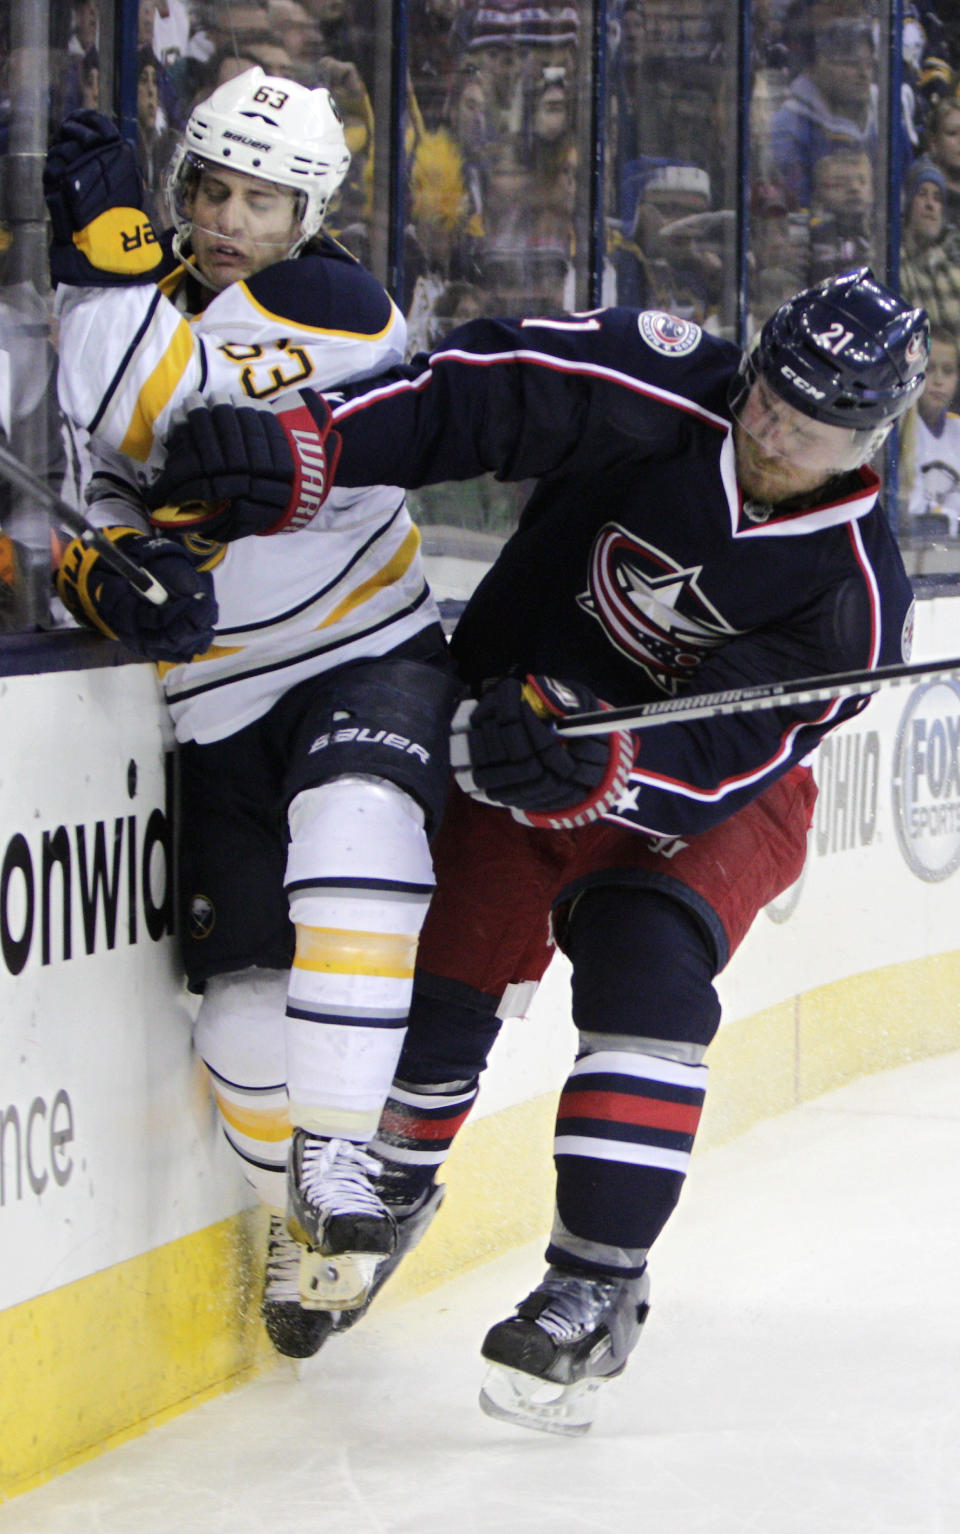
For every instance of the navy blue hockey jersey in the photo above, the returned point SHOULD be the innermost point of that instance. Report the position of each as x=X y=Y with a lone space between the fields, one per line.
x=637 y=568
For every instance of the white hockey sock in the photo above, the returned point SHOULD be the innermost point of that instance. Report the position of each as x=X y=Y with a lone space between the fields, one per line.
x=359 y=880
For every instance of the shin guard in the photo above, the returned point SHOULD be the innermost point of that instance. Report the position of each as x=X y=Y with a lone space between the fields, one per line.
x=359 y=881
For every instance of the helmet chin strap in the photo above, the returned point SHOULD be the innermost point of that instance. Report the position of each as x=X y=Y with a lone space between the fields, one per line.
x=183 y=253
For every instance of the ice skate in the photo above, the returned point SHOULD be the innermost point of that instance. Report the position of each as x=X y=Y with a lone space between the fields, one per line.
x=294 y=1332
x=333 y=1211
x=412 y=1223
x=570 y=1335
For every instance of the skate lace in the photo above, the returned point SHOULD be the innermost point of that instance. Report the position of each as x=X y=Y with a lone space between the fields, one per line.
x=283 y=1264
x=336 y=1174
x=577 y=1305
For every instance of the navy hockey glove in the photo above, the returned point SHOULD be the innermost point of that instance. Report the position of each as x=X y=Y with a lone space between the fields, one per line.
x=100 y=235
x=234 y=468
x=103 y=599
x=505 y=750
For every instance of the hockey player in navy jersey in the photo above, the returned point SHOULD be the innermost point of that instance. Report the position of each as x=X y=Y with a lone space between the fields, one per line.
x=306 y=673
x=701 y=520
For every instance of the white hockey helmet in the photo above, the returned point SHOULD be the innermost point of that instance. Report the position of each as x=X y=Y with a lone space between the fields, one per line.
x=271 y=128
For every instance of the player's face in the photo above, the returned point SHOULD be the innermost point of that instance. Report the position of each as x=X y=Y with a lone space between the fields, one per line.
x=240 y=224
x=926 y=211
x=781 y=452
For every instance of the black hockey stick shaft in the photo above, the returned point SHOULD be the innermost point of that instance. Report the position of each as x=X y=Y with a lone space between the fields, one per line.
x=742 y=700
x=26 y=480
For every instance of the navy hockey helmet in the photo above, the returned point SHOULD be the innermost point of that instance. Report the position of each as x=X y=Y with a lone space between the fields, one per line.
x=848 y=352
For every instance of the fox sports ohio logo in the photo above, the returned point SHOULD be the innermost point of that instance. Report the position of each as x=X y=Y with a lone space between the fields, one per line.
x=926 y=781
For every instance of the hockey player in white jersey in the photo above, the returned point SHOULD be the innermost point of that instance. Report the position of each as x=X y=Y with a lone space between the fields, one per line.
x=306 y=674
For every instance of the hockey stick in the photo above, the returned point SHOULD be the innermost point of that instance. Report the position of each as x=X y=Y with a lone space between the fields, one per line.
x=741 y=700
x=25 y=479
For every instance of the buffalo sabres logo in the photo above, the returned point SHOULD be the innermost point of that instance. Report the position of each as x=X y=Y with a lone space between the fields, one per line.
x=651 y=608
x=201 y=917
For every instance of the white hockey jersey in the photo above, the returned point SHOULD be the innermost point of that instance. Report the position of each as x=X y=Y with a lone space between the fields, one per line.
x=349 y=585
x=936 y=480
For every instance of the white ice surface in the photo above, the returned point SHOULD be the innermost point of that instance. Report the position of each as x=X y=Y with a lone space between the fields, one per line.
x=800 y=1373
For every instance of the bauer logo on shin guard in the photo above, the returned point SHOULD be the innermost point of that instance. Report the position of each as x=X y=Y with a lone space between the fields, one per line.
x=361 y=736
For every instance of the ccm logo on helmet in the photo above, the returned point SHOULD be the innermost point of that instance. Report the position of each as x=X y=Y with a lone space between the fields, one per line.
x=803 y=384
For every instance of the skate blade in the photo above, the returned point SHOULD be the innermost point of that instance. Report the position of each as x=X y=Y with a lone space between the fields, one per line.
x=340 y=1282
x=528 y=1401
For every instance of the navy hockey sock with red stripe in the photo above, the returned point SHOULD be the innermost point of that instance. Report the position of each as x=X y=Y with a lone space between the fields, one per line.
x=416 y=1130
x=625 y=1130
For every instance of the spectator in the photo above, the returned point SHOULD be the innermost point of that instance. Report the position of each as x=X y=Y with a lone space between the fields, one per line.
x=84 y=26
x=293 y=26
x=913 y=105
x=31 y=427
x=155 y=142
x=669 y=192
x=459 y=302
x=434 y=57
x=170 y=105
x=466 y=120
x=223 y=66
x=935 y=81
x=171 y=31
x=778 y=238
x=506 y=223
x=79 y=82
x=227 y=25
x=930 y=251
x=271 y=54
x=943 y=147
x=90 y=79
x=630 y=127
x=446 y=305
x=346 y=34
x=509 y=41
x=352 y=205
x=548 y=118
x=553 y=200
x=831 y=105
x=499 y=66
x=841 y=213
x=930 y=446
x=439 y=210
x=686 y=82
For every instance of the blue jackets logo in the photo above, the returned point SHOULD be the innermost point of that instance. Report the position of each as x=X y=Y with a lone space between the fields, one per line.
x=651 y=608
